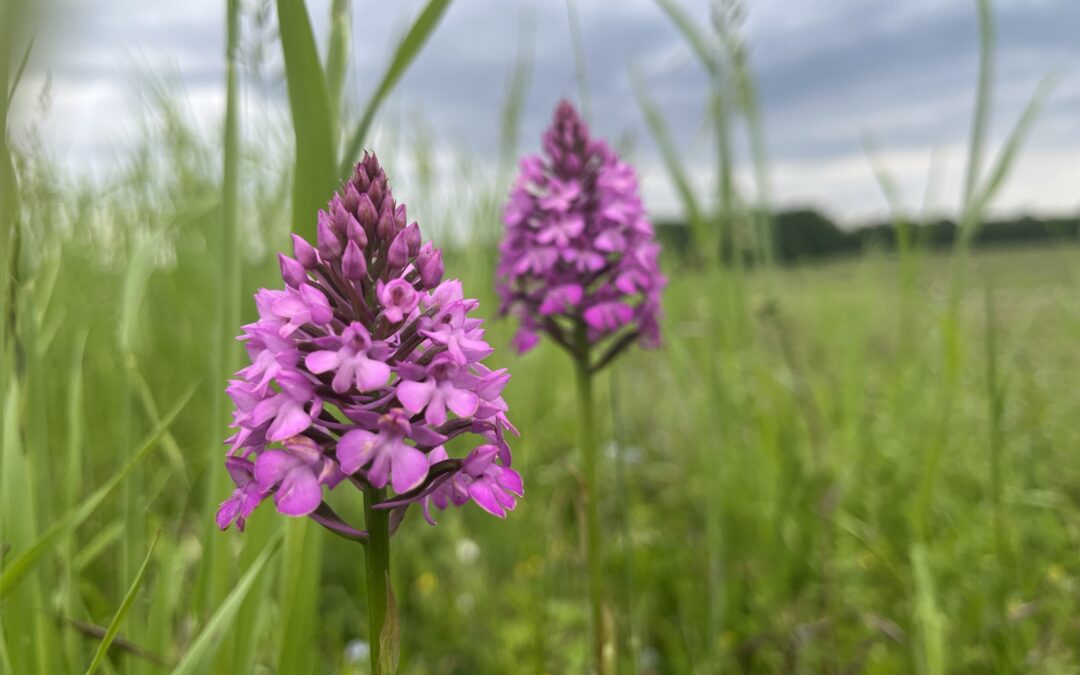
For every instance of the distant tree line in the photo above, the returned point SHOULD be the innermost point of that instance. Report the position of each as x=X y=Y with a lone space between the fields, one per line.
x=807 y=234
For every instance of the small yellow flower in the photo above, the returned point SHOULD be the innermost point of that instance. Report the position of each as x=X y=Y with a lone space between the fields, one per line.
x=426 y=583
x=1056 y=572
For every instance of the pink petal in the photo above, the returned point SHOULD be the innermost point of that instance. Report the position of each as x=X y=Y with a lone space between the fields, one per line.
x=415 y=395
x=378 y=473
x=240 y=470
x=511 y=480
x=435 y=415
x=481 y=493
x=320 y=362
x=409 y=467
x=371 y=374
x=271 y=467
x=290 y=421
x=462 y=402
x=299 y=493
x=227 y=512
x=355 y=449
x=343 y=379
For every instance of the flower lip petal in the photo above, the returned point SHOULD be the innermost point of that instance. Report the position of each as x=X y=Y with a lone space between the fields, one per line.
x=321 y=361
x=299 y=493
x=409 y=468
x=355 y=449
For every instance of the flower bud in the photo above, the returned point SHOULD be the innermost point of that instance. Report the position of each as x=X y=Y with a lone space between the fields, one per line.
x=357 y=234
x=304 y=252
x=360 y=179
x=398 y=255
x=351 y=198
x=412 y=239
x=375 y=190
x=353 y=265
x=340 y=219
x=385 y=228
x=431 y=270
x=329 y=244
x=366 y=213
x=291 y=271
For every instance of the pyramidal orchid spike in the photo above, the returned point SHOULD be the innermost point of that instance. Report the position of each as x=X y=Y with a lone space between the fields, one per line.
x=578 y=245
x=394 y=357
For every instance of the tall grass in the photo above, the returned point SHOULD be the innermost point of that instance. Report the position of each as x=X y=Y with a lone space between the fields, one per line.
x=862 y=467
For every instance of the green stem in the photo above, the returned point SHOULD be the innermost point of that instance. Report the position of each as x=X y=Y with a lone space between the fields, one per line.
x=593 y=554
x=377 y=569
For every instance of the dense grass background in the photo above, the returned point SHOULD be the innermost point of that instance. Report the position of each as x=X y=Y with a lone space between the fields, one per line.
x=866 y=466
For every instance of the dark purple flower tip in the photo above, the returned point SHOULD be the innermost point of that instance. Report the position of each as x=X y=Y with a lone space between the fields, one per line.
x=366 y=213
x=341 y=220
x=386 y=227
x=350 y=198
x=360 y=179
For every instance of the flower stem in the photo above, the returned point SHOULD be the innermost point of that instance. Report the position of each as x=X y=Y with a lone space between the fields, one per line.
x=377 y=569
x=593 y=554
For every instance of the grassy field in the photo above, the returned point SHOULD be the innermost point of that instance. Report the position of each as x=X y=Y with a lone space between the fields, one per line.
x=821 y=471
x=868 y=465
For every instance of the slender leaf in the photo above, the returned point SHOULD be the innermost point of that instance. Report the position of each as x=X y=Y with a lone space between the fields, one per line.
x=14 y=86
x=309 y=101
x=125 y=606
x=1007 y=157
x=337 y=60
x=404 y=55
x=206 y=643
x=670 y=154
x=23 y=564
x=982 y=101
x=699 y=41
x=579 y=57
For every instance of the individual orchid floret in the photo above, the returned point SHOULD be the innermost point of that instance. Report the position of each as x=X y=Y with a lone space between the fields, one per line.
x=362 y=367
x=580 y=259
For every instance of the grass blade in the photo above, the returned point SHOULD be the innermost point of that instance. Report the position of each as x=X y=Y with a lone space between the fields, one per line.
x=693 y=35
x=1011 y=150
x=670 y=154
x=212 y=633
x=14 y=86
x=337 y=60
x=309 y=102
x=404 y=55
x=25 y=563
x=121 y=613
x=579 y=57
x=982 y=100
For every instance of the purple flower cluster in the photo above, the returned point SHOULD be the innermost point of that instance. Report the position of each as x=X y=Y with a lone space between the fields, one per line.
x=362 y=368
x=578 y=246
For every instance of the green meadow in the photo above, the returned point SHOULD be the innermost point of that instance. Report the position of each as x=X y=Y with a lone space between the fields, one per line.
x=864 y=465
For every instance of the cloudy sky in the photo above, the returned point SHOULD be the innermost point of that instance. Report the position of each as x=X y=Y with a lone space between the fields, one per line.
x=833 y=74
